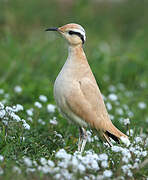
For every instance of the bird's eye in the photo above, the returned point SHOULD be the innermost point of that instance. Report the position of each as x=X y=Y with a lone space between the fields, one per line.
x=70 y=32
x=78 y=34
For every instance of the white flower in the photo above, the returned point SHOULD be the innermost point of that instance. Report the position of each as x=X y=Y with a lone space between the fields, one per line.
x=144 y=153
x=136 y=165
x=137 y=159
x=92 y=177
x=113 y=97
x=116 y=148
x=34 y=163
x=130 y=174
x=125 y=140
x=66 y=174
x=86 y=178
x=137 y=152
x=50 y=163
x=126 y=121
x=43 y=98
x=45 y=169
x=1 y=158
x=18 y=89
x=104 y=164
x=53 y=121
x=99 y=177
x=111 y=116
x=58 y=135
x=15 y=117
x=51 y=108
x=89 y=138
x=9 y=109
x=7 y=96
x=119 y=111
x=109 y=106
x=103 y=157
x=85 y=160
x=63 y=164
x=57 y=176
x=27 y=161
x=30 y=170
x=43 y=161
x=81 y=168
x=29 y=119
x=130 y=132
x=125 y=159
x=94 y=165
x=4 y=101
x=1 y=106
x=18 y=107
x=38 y=105
x=22 y=138
x=138 y=139
x=5 y=121
x=74 y=161
x=96 y=138
x=41 y=121
x=142 y=105
x=2 y=113
x=112 y=88
x=125 y=168
x=26 y=126
x=104 y=98
x=107 y=173
x=132 y=149
x=126 y=152
x=61 y=154
x=130 y=114
x=17 y=169
x=30 y=112
x=1 y=91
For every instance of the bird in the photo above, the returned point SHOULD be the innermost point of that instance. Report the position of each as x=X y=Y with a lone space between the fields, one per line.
x=77 y=95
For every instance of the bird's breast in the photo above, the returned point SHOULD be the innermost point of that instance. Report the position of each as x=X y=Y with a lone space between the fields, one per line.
x=62 y=87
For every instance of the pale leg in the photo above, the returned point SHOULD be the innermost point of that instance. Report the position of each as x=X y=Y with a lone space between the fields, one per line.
x=82 y=139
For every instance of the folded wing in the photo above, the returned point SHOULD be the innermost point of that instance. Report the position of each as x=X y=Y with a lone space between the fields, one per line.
x=86 y=101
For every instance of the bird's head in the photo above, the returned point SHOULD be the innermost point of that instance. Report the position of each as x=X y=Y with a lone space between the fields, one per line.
x=74 y=33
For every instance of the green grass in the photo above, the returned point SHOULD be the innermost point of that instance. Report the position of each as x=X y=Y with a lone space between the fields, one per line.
x=116 y=49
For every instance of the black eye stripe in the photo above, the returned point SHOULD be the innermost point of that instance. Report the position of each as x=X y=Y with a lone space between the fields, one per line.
x=78 y=34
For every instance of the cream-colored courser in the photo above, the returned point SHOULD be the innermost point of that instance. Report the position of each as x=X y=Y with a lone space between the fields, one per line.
x=76 y=92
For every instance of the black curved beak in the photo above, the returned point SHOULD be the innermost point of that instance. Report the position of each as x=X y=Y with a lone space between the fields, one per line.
x=52 y=29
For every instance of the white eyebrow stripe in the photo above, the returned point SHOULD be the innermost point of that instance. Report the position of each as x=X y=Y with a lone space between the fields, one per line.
x=81 y=32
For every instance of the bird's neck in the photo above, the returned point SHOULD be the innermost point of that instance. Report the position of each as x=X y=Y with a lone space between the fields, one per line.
x=76 y=53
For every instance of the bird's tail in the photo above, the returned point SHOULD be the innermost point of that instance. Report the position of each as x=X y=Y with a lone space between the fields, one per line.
x=111 y=132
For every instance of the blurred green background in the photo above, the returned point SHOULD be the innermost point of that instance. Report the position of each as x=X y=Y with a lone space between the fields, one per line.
x=116 y=46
